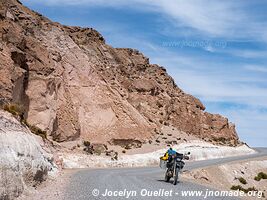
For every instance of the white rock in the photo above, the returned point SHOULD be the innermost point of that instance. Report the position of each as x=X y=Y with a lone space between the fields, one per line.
x=199 y=151
x=9 y=15
x=23 y=162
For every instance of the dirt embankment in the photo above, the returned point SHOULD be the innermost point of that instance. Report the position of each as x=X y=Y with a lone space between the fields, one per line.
x=248 y=175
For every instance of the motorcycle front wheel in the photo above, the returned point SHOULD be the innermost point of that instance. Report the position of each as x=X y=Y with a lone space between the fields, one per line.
x=176 y=176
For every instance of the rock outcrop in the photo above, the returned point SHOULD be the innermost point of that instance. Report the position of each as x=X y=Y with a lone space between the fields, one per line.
x=73 y=85
x=23 y=162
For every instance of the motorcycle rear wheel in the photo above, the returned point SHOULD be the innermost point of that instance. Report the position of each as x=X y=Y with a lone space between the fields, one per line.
x=167 y=178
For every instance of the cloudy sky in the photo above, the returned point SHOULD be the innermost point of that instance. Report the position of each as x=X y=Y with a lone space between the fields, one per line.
x=215 y=50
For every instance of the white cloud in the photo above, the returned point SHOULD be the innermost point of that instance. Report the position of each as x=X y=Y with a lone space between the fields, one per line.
x=243 y=53
x=224 y=19
x=256 y=68
x=212 y=17
x=215 y=82
x=250 y=53
x=218 y=88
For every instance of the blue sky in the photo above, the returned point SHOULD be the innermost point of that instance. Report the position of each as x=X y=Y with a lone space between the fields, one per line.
x=215 y=50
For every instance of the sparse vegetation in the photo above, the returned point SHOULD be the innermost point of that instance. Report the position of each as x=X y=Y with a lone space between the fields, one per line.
x=88 y=148
x=239 y=187
x=127 y=147
x=86 y=143
x=98 y=152
x=242 y=180
x=260 y=176
x=15 y=109
x=34 y=129
x=123 y=151
x=220 y=139
x=18 y=111
x=24 y=122
x=95 y=148
x=127 y=143
x=37 y=131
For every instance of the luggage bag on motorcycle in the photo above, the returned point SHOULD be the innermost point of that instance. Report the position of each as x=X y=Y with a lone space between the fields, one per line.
x=163 y=163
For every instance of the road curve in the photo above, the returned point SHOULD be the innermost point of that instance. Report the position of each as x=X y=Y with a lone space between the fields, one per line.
x=139 y=183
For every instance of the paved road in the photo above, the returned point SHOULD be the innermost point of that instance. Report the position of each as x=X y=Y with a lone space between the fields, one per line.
x=138 y=183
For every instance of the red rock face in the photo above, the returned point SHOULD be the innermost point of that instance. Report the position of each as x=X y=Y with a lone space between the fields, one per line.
x=73 y=85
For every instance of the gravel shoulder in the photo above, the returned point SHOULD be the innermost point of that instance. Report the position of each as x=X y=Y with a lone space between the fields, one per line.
x=52 y=189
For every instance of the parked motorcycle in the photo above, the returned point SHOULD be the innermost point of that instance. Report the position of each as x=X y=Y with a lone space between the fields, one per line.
x=173 y=166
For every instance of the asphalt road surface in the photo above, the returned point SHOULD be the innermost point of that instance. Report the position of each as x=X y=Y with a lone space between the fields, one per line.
x=142 y=183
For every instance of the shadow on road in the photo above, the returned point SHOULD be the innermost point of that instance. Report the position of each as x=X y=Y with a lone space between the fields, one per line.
x=170 y=182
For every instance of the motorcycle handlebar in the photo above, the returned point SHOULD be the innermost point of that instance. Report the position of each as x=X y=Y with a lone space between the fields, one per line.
x=181 y=156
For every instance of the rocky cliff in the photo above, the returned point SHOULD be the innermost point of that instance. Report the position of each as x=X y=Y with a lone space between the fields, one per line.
x=73 y=85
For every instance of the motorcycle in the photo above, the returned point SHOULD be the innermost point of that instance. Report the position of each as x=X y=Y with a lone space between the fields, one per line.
x=174 y=166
